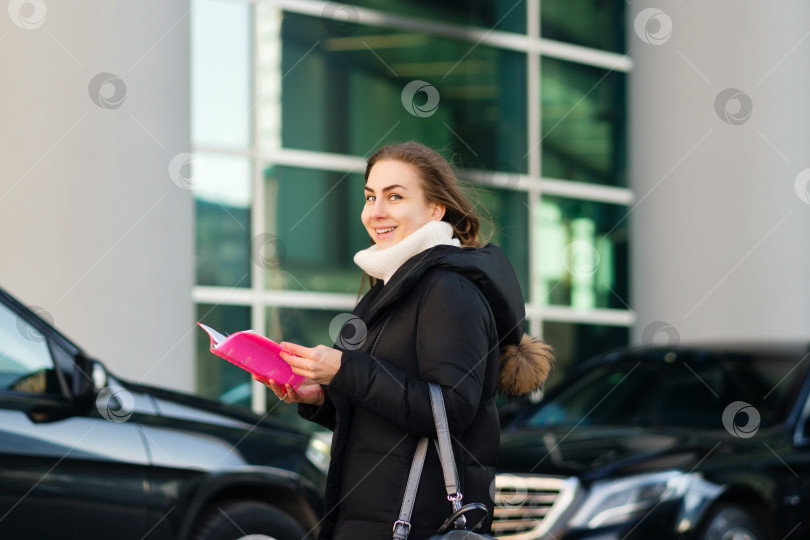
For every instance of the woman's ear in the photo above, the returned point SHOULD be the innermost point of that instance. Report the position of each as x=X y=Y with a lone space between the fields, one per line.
x=436 y=211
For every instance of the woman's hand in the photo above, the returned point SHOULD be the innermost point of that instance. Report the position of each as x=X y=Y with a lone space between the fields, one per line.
x=309 y=392
x=318 y=364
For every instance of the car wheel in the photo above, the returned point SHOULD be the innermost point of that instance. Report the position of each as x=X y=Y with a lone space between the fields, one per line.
x=731 y=523
x=248 y=520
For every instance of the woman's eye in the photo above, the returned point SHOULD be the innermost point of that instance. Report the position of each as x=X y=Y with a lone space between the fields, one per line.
x=395 y=197
x=370 y=198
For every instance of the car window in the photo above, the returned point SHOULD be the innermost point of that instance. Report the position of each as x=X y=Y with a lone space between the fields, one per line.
x=691 y=390
x=26 y=365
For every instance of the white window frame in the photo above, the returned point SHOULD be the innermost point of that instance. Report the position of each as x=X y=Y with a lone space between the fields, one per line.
x=533 y=183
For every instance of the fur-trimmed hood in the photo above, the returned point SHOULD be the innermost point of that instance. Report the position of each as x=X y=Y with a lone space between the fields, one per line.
x=525 y=361
x=525 y=366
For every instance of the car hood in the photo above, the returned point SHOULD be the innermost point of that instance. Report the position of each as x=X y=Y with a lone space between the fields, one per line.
x=180 y=406
x=195 y=433
x=595 y=452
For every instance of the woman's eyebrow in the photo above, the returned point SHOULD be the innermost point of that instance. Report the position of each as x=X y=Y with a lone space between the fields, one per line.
x=389 y=188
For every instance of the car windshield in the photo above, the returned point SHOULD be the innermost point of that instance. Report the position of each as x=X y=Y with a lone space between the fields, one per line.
x=685 y=389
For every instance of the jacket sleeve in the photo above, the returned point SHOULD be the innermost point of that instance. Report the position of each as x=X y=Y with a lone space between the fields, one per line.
x=452 y=346
x=323 y=414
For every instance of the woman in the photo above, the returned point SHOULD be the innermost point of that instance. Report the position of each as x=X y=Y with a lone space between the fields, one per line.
x=441 y=309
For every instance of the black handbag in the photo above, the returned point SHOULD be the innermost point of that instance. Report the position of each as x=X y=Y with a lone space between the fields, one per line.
x=457 y=519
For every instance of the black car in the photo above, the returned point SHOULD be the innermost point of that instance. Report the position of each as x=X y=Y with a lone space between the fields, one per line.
x=675 y=443
x=85 y=455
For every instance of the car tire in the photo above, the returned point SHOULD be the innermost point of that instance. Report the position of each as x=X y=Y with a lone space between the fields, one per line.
x=730 y=522
x=248 y=520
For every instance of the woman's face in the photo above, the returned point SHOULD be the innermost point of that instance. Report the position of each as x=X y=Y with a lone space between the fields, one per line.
x=395 y=203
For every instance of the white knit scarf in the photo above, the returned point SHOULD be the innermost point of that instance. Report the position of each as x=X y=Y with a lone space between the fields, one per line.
x=382 y=263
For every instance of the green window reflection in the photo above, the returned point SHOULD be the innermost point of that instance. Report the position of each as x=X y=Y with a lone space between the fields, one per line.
x=581 y=250
x=576 y=343
x=221 y=72
x=315 y=222
x=216 y=377
x=344 y=94
x=314 y=219
x=584 y=123
x=591 y=23
x=503 y=15
x=221 y=187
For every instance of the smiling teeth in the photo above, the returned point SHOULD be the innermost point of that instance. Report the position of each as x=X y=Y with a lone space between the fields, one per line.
x=383 y=231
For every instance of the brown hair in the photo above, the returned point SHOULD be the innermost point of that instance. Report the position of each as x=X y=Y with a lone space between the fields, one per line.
x=439 y=184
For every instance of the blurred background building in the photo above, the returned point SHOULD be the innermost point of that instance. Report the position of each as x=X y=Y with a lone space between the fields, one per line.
x=288 y=97
x=215 y=171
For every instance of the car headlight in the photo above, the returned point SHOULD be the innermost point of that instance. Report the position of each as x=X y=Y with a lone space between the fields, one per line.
x=617 y=501
x=319 y=450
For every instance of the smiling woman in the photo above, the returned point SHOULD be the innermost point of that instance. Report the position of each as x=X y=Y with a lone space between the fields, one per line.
x=432 y=184
x=442 y=309
x=393 y=211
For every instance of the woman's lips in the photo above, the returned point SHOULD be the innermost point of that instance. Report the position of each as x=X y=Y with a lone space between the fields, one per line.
x=384 y=232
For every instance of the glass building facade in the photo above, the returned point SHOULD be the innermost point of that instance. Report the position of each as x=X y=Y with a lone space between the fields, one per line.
x=290 y=97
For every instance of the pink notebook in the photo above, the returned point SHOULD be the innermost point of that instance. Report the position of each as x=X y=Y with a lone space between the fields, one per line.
x=254 y=353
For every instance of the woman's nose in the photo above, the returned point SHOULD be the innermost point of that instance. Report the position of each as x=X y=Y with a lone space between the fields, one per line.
x=378 y=210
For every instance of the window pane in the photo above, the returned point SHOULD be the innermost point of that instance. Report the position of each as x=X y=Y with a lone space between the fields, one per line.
x=581 y=250
x=345 y=94
x=592 y=23
x=583 y=123
x=305 y=327
x=221 y=186
x=25 y=362
x=503 y=15
x=216 y=377
x=576 y=343
x=504 y=222
x=316 y=218
x=313 y=230
x=221 y=81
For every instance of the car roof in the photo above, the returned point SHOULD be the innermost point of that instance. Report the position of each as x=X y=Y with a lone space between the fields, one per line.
x=797 y=350
x=780 y=348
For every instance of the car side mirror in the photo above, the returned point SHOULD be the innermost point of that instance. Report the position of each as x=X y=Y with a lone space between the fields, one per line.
x=91 y=380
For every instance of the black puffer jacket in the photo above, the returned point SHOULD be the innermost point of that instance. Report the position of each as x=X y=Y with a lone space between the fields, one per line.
x=448 y=315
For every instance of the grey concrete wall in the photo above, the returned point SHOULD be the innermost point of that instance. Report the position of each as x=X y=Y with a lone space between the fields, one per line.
x=720 y=134
x=94 y=231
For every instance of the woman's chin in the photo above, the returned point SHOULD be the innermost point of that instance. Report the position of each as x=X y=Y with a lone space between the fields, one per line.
x=383 y=243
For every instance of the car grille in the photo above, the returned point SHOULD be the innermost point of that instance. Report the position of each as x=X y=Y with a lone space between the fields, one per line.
x=527 y=506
